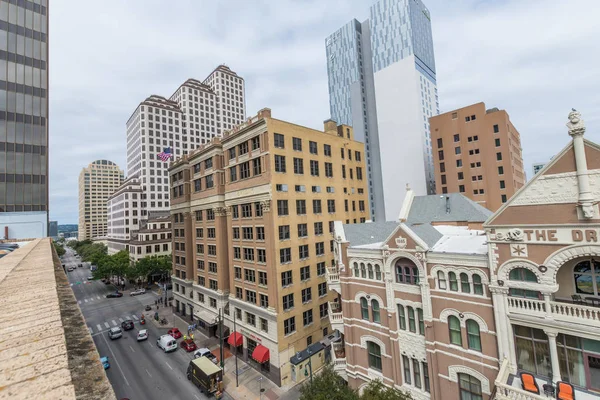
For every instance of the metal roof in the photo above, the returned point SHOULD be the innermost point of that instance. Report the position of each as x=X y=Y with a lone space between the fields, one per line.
x=449 y=207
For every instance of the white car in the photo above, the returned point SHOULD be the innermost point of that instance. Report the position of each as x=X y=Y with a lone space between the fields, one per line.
x=204 y=352
x=142 y=335
x=137 y=291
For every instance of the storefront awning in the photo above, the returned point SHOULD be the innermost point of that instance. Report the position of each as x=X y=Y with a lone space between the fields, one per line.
x=235 y=339
x=260 y=354
x=209 y=318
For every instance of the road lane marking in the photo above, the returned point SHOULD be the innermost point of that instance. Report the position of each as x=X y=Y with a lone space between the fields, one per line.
x=71 y=284
x=99 y=298
x=120 y=319
x=90 y=328
x=168 y=365
x=135 y=317
x=92 y=299
x=114 y=322
x=197 y=397
x=99 y=327
x=148 y=374
x=78 y=301
x=85 y=300
x=107 y=325
x=115 y=358
x=131 y=348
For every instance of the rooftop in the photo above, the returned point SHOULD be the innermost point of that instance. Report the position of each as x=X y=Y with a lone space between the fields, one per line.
x=46 y=351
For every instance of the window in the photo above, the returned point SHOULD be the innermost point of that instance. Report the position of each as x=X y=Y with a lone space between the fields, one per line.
x=477 y=285
x=587 y=277
x=457 y=138
x=469 y=387
x=255 y=142
x=406 y=368
x=303 y=251
x=322 y=289
x=375 y=311
x=421 y=321
x=285 y=255
x=416 y=373
x=243 y=148
x=284 y=232
x=262 y=278
x=237 y=272
x=314 y=168
x=249 y=275
x=286 y=278
x=453 y=281
x=503 y=198
x=457 y=150
x=454 y=329
x=441 y=155
x=442 y=167
x=443 y=177
x=251 y=296
x=298 y=166
x=329 y=170
x=459 y=163
x=441 y=280
x=465 y=286
x=302 y=230
x=232 y=153
x=297 y=144
x=301 y=207
x=289 y=326
x=312 y=147
x=323 y=312
x=502 y=185
x=213 y=284
x=279 y=163
x=500 y=170
x=327 y=150
x=499 y=156
x=440 y=143
x=282 y=207
x=342 y=153
x=321 y=268
x=374 y=355
x=412 y=325
x=281 y=187
x=401 y=317
x=426 y=376
x=257 y=169
x=473 y=338
x=288 y=301
x=251 y=319
x=320 y=248
x=525 y=275
x=496 y=129
x=406 y=273
x=307 y=317
x=260 y=233
x=364 y=308
x=306 y=295
x=461 y=188
x=278 y=141
x=264 y=325
x=317 y=207
x=330 y=206
x=199 y=215
x=497 y=142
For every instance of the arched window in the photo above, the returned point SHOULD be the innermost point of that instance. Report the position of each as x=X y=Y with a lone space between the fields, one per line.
x=364 y=308
x=477 y=285
x=523 y=275
x=465 y=286
x=377 y=272
x=370 y=270
x=406 y=272
x=453 y=281
x=473 y=337
x=587 y=277
x=374 y=355
x=442 y=280
x=363 y=270
x=356 y=270
x=401 y=317
x=412 y=326
x=454 y=328
x=470 y=388
x=375 y=311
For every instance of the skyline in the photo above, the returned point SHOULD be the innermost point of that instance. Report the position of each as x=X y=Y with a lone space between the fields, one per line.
x=284 y=65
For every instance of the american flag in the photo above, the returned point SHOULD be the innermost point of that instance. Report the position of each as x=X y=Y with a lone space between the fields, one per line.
x=166 y=154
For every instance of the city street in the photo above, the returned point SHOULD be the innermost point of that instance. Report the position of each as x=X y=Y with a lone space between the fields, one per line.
x=137 y=370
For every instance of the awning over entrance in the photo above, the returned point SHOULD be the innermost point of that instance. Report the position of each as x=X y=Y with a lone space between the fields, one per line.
x=260 y=354
x=209 y=318
x=236 y=339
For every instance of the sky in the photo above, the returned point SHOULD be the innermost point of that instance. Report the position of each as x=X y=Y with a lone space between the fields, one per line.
x=536 y=59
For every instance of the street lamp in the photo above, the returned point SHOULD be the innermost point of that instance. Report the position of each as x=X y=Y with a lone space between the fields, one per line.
x=309 y=365
x=260 y=388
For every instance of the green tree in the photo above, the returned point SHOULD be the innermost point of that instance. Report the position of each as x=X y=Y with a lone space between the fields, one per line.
x=327 y=385
x=60 y=250
x=376 y=390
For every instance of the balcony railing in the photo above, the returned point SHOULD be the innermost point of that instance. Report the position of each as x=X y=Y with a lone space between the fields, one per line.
x=332 y=275
x=338 y=358
x=565 y=312
x=506 y=392
x=335 y=316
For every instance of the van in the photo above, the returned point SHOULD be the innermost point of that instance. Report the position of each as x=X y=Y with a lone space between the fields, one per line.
x=115 y=333
x=207 y=376
x=166 y=343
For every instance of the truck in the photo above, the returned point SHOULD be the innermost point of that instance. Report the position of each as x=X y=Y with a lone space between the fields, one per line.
x=207 y=376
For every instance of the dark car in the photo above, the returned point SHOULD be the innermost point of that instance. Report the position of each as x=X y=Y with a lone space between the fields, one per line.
x=114 y=295
x=127 y=325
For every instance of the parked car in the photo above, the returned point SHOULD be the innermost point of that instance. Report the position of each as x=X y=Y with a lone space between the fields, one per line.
x=114 y=295
x=90 y=278
x=142 y=335
x=106 y=281
x=188 y=345
x=70 y=269
x=175 y=332
x=166 y=343
x=204 y=352
x=115 y=333
x=137 y=292
x=105 y=362
x=127 y=325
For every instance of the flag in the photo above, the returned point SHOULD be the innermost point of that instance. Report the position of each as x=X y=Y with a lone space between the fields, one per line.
x=165 y=155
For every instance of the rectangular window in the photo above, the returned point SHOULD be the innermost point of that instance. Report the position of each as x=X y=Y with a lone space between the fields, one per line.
x=256 y=143
x=212 y=267
x=298 y=166
x=502 y=185
x=406 y=365
x=211 y=233
x=282 y=207
x=279 y=163
x=247 y=210
x=237 y=253
x=260 y=233
x=235 y=212
x=288 y=301
x=441 y=155
x=232 y=175
x=458 y=163
x=249 y=275
x=208 y=163
x=440 y=143
x=250 y=319
x=306 y=295
x=321 y=268
x=320 y=248
x=297 y=144
x=457 y=150
x=504 y=198
x=237 y=272
x=307 y=317
x=286 y=278
x=301 y=207
x=416 y=373
x=199 y=233
x=232 y=153
x=442 y=167
x=318 y=228
x=461 y=176
x=262 y=278
x=461 y=188
x=213 y=284
x=312 y=147
x=243 y=148
x=302 y=230
x=323 y=310
x=499 y=156
x=285 y=255
x=284 y=232
x=278 y=141
x=281 y=187
x=209 y=181
x=251 y=296
x=496 y=129
x=497 y=142
x=304 y=273
x=330 y=206
x=212 y=250
x=264 y=325
x=314 y=168
x=248 y=254
x=426 y=377
x=327 y=150
x=317 y=209
x=199 y=215
x=303 y=251
x=322 y=289
x=261 y=255
x=264 y=301
x=500 y=170
x=329 y=170
x=289 y=326
x=257 y=167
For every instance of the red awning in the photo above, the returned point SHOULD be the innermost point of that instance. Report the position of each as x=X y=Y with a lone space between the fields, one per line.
x=235 y=339
x=260 y=354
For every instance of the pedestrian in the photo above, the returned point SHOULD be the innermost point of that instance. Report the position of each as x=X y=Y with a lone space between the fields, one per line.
x=155 y=302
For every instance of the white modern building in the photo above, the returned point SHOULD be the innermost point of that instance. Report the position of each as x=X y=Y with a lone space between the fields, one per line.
x=382 y=81
x=195 y=113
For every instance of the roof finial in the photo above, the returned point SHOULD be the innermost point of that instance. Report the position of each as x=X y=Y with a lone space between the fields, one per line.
x=576 y=125
x=407 y=186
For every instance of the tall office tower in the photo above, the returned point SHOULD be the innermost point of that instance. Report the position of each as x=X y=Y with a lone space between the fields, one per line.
x=189 y=118
x=23 y=119
x=478 y=154
x=253 y=215
x=97 y=182
x=382 y=82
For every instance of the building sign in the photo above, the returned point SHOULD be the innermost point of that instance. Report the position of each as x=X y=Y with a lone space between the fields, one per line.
x=551 y=236
x=250 y=335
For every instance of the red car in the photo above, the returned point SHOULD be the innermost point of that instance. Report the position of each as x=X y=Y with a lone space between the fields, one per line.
x=175 y=333
x=188 y=345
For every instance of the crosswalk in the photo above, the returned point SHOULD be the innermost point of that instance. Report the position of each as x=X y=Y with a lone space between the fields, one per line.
x=110 y=323
x=89 y=300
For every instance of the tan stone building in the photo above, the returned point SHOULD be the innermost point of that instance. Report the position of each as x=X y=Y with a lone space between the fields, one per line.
x=97 y=183
x=477 y=152
x=153 y=238
x=436 y=306
x=253 y=216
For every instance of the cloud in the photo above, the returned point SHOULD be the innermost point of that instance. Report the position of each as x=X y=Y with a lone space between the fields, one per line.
x=534 y=58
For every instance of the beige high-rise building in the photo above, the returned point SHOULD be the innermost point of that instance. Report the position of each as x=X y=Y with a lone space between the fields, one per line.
x=252 y=216
x=97 y=183
x=477 y=152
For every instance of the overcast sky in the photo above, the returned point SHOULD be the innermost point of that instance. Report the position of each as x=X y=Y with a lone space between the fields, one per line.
x=534 y=58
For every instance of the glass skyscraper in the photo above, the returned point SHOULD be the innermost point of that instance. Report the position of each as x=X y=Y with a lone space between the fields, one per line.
x=23 y=118
x=382 y=82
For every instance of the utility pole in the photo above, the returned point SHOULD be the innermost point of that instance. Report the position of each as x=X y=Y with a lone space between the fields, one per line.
x=236 y=356
x=221 y=338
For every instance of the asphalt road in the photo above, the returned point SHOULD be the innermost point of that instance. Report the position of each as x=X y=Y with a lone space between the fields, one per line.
x=138 y=370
